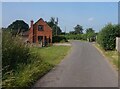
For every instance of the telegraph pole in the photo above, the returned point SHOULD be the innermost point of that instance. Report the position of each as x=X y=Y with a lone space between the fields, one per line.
x=56 y=24
x=65 y=30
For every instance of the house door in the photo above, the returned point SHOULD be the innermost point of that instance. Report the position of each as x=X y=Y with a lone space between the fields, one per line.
x=45 y=40
x=40 y=38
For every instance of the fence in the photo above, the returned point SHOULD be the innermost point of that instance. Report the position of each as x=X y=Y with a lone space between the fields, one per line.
x=118 y=44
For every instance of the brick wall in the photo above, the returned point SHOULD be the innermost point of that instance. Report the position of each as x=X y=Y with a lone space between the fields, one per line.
x=34 y=33
x=118 y=44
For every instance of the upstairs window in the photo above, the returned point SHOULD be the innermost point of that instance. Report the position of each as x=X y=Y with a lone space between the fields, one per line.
x=40 y=27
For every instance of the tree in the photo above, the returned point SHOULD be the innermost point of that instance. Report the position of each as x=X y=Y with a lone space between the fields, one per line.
x=54 y=27
x=90 y=30
x=78 y=29
x=18 y=26
x=52 y=19
x=91 y=36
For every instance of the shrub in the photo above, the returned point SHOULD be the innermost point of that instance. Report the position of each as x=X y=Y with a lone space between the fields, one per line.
x=73 y=37
x=14 y=51
x=21 y=65
x=56 y=39
x=107 y=36
x=76 y=37
x=84 y=36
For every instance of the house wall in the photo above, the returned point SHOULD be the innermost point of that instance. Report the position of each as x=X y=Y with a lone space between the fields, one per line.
x=118 y=44
x=47 y=31
x=34 y=32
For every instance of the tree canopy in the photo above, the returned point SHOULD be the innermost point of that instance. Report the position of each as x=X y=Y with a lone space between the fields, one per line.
x=18 y=26
x=55 y=29
x=90 y=34
x=78 y=29
x=107 y=36
x=90 y=30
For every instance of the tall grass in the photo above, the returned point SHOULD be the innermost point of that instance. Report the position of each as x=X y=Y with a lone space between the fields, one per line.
x=14 y=51
x=23 y=65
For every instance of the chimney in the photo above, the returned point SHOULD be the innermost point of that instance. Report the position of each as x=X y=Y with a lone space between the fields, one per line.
x=31 y=32
x=32 y=23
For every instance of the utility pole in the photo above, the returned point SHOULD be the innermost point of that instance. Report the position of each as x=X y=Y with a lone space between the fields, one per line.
x=56 y=24
x=65 y=30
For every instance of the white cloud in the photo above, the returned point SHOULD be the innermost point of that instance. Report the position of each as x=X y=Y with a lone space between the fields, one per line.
x=90 y=19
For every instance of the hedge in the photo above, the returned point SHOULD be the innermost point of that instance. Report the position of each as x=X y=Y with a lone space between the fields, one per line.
x=107 y=36
x=56 y=39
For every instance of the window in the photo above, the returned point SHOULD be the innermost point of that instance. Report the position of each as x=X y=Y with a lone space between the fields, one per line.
x=40 y=27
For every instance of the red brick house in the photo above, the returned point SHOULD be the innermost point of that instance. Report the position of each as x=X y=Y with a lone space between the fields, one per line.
x=40 y=33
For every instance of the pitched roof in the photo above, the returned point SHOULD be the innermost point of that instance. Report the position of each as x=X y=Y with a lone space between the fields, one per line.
x=44 y=22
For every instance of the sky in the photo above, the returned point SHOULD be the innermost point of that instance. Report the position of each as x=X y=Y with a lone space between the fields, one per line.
x=87 y=14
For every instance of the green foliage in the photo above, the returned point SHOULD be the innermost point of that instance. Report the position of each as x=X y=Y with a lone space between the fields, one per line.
x=55 y=29
x=54 y=53
x=20 y=65
x=78 y=29
x=90 y=30
x=18 y=26
x=23 y=65
x=14 y=51
x=26 y=75
x=84 y=36
x=56 y=39
x=107 y=36
x=90 y=34
x=72 y=32
x=76 y=37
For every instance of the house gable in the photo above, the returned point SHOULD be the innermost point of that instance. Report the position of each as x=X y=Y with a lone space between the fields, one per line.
x=42 y=23
x=40 y=31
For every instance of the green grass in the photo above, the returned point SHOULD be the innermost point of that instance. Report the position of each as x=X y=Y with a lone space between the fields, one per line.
x=27 y=74
x=112 y=56
x=52 y=55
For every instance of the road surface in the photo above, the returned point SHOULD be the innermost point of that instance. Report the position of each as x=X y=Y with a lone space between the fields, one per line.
x=84 y=66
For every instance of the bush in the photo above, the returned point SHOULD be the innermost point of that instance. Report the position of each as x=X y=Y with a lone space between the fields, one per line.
x=56 y=39
x=14 y=51
x=73 y=37
x=107 y=36
x=76 y=37
x=84 y=36
x=21 y=65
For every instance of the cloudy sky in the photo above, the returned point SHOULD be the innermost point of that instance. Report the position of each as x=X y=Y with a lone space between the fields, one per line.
x=87 y=14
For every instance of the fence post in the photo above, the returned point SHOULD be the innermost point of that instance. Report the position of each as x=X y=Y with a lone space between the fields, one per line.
x=118 y=44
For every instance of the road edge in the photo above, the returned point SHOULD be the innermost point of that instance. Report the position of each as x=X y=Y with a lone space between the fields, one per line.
x=115 y=70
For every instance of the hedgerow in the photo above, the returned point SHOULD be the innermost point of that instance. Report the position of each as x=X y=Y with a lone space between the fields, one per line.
x=107 y=36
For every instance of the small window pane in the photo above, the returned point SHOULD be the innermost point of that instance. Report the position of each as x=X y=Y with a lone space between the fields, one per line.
x=40 y=28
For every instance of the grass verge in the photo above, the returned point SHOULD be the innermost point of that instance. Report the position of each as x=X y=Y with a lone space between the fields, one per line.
x=112 y=56
x=26 y=74
x=52 y=55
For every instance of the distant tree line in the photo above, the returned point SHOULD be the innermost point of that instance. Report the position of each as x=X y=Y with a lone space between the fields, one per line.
x=106 y=37
x=19 y=26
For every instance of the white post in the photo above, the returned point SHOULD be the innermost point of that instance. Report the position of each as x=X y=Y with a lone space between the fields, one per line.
x=118 y=44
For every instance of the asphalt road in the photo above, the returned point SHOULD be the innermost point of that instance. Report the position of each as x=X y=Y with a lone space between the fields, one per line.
x=84 y=66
